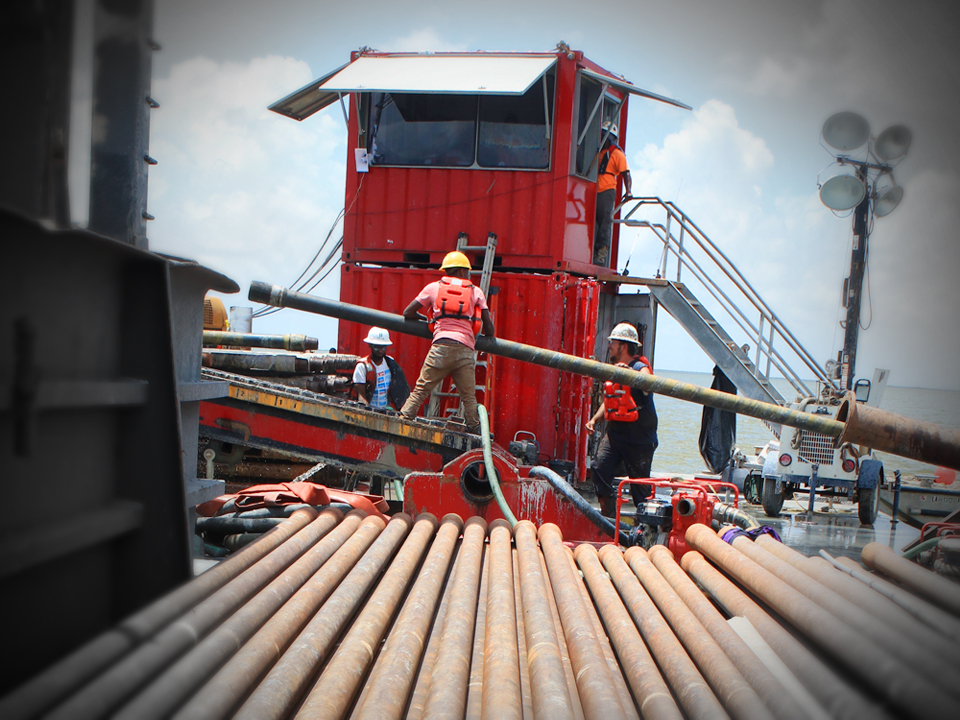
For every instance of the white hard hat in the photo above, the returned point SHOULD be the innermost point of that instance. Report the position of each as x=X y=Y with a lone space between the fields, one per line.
x=612 y=127
x=378 y=336
x=625 y=332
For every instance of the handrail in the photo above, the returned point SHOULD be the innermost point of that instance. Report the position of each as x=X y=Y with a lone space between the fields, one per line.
x=679 y=247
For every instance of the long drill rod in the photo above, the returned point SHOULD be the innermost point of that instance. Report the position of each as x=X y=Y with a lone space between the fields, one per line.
x=927 y=442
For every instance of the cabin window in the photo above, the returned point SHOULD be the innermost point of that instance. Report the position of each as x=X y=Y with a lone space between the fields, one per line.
x=486 y=131
x=592 y=112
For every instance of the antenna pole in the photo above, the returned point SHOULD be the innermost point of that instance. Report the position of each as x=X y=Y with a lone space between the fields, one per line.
x=855 y=283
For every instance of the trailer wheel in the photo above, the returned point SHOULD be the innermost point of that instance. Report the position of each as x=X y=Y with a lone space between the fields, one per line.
x=772 y=500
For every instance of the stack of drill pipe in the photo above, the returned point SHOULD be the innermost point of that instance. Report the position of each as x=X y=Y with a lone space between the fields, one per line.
x=930 y=586
x=277 y=364
x=336 y=617
x=887 y=668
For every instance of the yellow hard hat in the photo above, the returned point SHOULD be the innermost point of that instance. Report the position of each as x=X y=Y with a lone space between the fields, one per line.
x=455 y=259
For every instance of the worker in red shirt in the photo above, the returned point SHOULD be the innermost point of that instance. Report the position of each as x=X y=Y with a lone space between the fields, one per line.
x=457 y=311
x=613 y=164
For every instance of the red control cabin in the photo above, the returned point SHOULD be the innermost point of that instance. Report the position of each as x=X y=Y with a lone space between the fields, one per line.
x=494 y=154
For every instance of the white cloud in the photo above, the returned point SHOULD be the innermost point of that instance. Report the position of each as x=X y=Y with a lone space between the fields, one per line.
x=241 y=189
x=425 y=40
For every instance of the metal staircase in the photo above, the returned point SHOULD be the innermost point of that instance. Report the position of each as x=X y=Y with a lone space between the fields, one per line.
x=770 y=341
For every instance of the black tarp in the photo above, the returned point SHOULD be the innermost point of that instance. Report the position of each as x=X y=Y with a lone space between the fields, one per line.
x=718 y=429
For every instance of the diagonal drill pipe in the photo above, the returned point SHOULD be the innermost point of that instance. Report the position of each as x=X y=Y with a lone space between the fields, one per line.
x=874 y=428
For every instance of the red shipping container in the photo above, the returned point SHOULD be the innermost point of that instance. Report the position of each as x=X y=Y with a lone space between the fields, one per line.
x=556 y=311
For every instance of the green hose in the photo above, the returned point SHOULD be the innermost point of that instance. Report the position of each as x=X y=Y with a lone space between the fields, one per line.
x=917 y=549
x=398 y=489
x=491 y=471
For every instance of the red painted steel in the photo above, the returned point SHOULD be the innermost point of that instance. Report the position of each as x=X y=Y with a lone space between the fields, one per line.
x=460 y=489
x=298 y=432
x=544 y=220
x=555 y=311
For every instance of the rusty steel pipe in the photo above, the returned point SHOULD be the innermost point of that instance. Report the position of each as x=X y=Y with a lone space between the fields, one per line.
x=231 y=680
x=930 y=586
x=526 y=697
x=421 y=687
x=881 y=429
x=766 y=685
x=447 y=694
x=295 y=343
x=168 y=691
x=562 y=643
x=919 y=608
x=57 y=682
x=121 y=681
x=475 y=690
x=334 y=692
x=921 y=441
x=548 y=683
x=839 y=699
x=649 y=688
x=869 y=602
x=501 y=698
x=285 y=684
x=913 y=695
x=688 y=685
x=731 y=688
x=390 y=684
x=598 y=693
x=616 y=672
x=902 y=648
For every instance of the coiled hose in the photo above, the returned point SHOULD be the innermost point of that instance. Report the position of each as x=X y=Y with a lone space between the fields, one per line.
x=565 y=489
x=491 y=470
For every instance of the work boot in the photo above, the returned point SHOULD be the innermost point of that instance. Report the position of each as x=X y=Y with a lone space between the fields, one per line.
x=608 y=505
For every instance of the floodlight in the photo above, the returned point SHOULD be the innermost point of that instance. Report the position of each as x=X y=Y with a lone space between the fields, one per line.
x=893 y=142
x=846 y=131
x=888 y=202
x=842 y=192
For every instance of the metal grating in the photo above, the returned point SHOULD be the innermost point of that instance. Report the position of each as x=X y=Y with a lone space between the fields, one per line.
x=816 y=448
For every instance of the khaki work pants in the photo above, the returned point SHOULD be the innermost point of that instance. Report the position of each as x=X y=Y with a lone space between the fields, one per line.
x=444 y=359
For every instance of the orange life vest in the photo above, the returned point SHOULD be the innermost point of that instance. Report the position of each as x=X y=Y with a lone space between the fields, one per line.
x=455 y=300
x=618 y=402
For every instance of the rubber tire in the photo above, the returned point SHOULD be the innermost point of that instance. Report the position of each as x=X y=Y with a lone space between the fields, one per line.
x=868 y=504
x=770 y=499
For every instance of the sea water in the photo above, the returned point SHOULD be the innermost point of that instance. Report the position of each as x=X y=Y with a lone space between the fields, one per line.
x=679 y=430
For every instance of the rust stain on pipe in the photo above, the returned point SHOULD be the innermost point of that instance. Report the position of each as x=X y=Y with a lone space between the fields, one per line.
x=649 y=687
x=501 y=673
x=525 y=692
x=119 y=682
x=548 y=683
x=562 y=644
x=730 y=686
x=389 y=686
x=279 y=692
x=905 y=649
x=691 y=690
x=766 y=685
x=928 y=585
x=913 y=695
x=598 y=693
x=167 y=692
x=334 y=692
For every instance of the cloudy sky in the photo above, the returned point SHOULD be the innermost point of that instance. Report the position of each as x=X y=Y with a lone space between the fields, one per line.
x=252 y=194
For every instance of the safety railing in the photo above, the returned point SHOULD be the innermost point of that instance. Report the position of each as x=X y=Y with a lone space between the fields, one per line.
x=758 y=321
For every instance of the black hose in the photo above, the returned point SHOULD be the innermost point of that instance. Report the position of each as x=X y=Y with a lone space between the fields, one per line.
x=282 y=511
x=593 y=515
x=234 y=525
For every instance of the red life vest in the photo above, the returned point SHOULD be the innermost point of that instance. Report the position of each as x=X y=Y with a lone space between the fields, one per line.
x=455 y=300
x=618 y=402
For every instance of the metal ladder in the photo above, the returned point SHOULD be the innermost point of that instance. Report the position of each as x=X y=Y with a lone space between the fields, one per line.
x=445 y=400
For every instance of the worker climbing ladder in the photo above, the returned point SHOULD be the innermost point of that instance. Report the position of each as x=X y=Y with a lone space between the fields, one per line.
x=445 y=400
